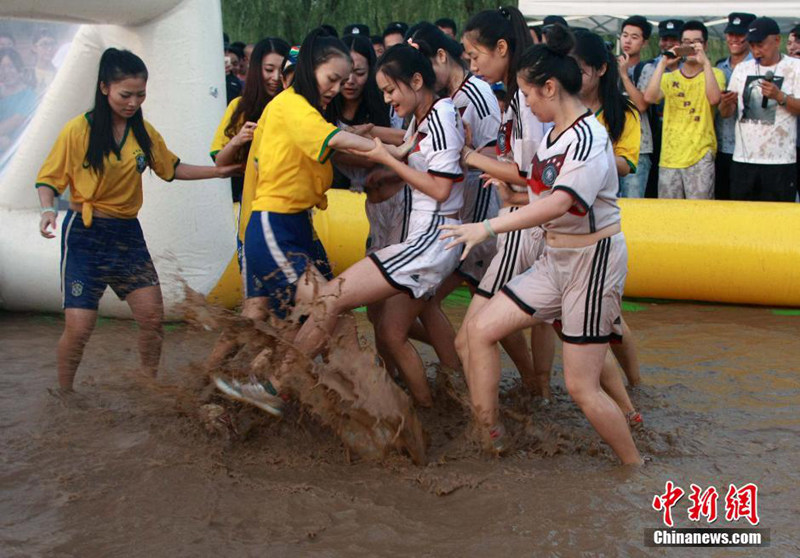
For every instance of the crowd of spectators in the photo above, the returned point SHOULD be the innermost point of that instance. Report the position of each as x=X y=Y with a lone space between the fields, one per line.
x=723 y=129
x=25 y=73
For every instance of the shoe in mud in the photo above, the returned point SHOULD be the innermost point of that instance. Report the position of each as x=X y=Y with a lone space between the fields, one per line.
x=252 y=393
x=498 y=439
x=635 y=420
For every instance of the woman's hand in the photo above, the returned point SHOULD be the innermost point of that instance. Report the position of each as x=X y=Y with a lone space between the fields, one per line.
x=379 y=153
x=245 y=135
x=503 y=189
x=362 y=130
x=47 y=221
x=470 y=234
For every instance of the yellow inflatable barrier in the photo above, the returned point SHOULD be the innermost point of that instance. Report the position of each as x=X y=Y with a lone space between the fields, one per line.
x=734 y=252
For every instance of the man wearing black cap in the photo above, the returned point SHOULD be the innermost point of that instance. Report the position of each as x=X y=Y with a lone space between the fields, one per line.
x=633 y=36
x=767 y=88
x=356 y=29
x=739 y=51
x=394 y=34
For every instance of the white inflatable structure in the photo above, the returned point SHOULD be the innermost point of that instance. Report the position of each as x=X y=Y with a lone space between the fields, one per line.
x=189 y=226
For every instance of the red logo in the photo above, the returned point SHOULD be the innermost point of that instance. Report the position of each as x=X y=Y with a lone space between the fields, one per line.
x=740 y=503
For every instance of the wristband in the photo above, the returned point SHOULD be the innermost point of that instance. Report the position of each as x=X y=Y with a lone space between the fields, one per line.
x=785 y=100
x=465 y=153
x=44 y=210
x=489 y=229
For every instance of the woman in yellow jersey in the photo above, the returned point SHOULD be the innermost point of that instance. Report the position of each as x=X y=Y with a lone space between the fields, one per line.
x=283 y=258
x=231 y=142
x=101 y=156
x=601 y=93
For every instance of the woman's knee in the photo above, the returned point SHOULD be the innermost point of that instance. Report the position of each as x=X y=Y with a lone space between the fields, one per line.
x=581 y=389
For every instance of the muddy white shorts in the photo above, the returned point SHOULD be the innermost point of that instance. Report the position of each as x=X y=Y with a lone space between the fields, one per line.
x=579 y=290
x=420 y=263
x=516 y=252
x=479 y=203
x=388 y=220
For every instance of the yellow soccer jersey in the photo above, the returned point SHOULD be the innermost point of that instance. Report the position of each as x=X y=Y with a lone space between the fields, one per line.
x=293 y=167
x=118 y=191
x=221 y=138
x=250 y=178
x=629 y=143
x=688 y=132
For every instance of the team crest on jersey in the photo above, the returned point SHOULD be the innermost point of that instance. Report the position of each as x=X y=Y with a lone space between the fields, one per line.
x=503 y=144
x=544 y=173
x=549 y=175
x=141 y=161
x=76 y=288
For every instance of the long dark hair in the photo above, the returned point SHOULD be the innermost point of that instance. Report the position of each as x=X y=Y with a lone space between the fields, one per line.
x=115 y=65
x=371 y=108
x=255 y=97
x=591 y=49
x=317 y=48
x=507 y=23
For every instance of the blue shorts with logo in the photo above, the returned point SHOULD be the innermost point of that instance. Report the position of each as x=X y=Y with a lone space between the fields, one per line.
x=278 y=249
x=110 y=253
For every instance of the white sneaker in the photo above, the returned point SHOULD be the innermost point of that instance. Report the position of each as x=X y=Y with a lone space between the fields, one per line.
x=253 y=393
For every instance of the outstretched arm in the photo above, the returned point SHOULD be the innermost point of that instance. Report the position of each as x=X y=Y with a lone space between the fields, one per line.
x=535 y=213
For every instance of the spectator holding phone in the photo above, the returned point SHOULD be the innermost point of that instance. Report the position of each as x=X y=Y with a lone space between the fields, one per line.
x=686 y=166
x=766 y=88
x=739 y=51
x=635 y=32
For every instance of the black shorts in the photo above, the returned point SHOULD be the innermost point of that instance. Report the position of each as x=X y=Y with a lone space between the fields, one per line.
x=763 y=182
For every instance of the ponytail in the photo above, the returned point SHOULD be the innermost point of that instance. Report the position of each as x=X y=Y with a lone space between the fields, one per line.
x=505 y=23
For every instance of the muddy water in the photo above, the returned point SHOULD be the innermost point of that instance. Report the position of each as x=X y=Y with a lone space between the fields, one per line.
x=128 y=469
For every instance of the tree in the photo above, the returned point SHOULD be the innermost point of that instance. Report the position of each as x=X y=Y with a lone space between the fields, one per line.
x=251 y=20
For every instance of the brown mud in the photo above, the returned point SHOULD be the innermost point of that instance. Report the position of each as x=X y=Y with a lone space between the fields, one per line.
x=128 y=467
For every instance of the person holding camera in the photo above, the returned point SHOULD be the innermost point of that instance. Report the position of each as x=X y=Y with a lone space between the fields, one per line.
x=688 y=146
x=766 y=88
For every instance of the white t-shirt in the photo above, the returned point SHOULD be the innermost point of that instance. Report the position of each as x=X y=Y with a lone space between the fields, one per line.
x=478 y=108
x=520 y=135
x=440 y=139
x=580 y=162
x=765 y=136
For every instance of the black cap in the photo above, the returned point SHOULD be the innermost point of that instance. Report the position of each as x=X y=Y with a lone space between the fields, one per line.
x=670 y=28
x=396 y=27
x=641 y=23
x=355 y=29
x=738 y=22
x=552 y=19
x=762 y=28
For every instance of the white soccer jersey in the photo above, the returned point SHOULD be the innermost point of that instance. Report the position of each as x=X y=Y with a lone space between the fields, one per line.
x=479 y=109
x=440 y=138
x=581 y=162
x=520 y=134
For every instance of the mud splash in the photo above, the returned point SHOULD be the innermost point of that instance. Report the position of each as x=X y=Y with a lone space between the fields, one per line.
x=346 y=390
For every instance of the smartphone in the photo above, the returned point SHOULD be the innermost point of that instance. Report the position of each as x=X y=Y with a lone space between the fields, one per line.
x=684 y=50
